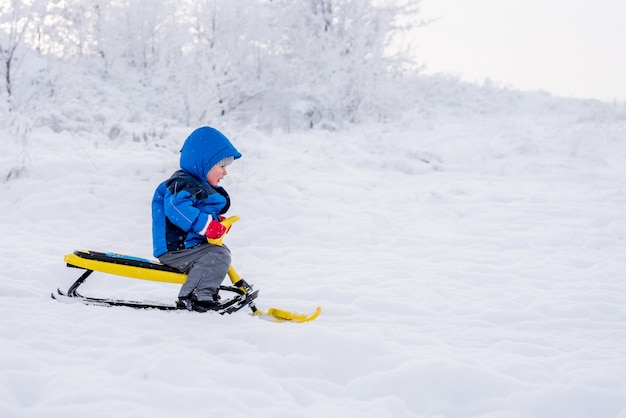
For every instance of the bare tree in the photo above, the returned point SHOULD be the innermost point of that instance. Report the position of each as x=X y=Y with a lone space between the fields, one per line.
x=14 y=21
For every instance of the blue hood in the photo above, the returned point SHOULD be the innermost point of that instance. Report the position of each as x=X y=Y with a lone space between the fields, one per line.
x=204 y=148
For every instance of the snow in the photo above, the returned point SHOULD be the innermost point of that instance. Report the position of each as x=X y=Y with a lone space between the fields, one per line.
x=469 y=260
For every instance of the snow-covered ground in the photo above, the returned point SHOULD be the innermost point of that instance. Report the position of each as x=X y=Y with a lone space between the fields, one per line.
x=470 y=260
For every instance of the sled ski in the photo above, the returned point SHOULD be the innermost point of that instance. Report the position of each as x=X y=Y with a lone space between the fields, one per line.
x=272 y=314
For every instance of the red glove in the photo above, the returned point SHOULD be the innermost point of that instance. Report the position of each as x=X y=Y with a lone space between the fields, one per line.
x=222 y=219
x=215 y=230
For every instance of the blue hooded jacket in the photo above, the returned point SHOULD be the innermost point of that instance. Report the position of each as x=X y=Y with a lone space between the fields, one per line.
x=182 y=204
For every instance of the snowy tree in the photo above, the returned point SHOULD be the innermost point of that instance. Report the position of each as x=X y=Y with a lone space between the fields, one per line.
x=327 y=60
x=15 y=18
x=212 y=79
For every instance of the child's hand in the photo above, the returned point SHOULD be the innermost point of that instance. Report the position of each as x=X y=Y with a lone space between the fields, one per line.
x=227 y=224
x=216 y=230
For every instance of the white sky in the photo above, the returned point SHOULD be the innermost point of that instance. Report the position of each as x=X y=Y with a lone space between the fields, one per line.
x=569 y=48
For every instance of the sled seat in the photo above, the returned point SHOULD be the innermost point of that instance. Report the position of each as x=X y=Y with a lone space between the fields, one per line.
x=124 y=265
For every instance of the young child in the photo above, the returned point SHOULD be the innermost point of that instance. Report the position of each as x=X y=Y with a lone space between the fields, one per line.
x=186 y=210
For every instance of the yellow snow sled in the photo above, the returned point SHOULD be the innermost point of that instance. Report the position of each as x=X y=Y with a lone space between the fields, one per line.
x=139 y=268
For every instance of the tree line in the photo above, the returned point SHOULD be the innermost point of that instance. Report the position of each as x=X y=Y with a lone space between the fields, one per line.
x=293 y=64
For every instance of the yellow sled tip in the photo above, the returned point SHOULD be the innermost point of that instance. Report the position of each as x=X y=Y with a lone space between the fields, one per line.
x=280 y=315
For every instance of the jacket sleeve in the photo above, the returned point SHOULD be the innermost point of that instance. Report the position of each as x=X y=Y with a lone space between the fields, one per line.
x=181 y=210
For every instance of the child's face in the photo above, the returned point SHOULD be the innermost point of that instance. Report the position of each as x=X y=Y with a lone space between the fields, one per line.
x=217 y=173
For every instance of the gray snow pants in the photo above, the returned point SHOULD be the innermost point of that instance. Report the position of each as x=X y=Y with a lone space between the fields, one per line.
x=206 y=266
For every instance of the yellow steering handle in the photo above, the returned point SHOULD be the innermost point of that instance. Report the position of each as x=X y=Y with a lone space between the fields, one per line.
x=227 y=224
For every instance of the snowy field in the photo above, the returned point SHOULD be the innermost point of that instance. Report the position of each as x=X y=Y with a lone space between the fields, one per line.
x=470 y=261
